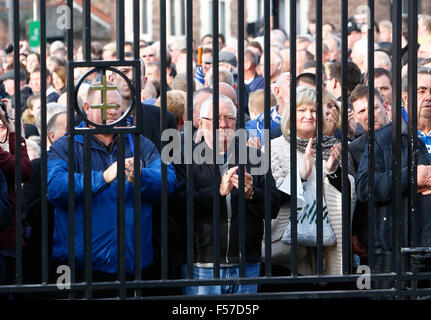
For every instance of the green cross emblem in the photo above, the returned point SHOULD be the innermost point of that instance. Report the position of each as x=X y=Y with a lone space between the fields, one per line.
x=104 y=106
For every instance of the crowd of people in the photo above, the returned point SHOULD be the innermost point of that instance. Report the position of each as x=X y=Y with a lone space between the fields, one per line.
x=223 y=178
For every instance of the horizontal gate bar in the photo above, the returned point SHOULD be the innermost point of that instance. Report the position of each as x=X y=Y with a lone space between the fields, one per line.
x=287 y=295
x=103 y=63
x=195 y=282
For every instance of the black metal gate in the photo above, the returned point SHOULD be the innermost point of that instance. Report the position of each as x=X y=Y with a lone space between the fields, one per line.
x=405 y=281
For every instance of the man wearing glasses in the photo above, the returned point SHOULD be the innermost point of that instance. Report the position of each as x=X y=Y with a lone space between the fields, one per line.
x=150 y=54
x=226 y=174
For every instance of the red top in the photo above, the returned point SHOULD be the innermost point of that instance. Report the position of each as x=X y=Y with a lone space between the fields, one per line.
x=7 y=165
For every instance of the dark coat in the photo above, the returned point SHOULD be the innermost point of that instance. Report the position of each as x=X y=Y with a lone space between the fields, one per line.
x=152 y=127
x=7 y=165
x=357 y=148
x=203 y=184
x=52 y=97
x=152 y=130
x=384 y=192
x=32 y=213
x=360 y=217
x=5 y=205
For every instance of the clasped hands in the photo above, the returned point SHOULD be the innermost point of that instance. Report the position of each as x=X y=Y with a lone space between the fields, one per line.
x=231 y=179
x=110 y=174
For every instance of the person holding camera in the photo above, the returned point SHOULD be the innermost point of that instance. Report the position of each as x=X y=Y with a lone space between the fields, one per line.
x=7 y=168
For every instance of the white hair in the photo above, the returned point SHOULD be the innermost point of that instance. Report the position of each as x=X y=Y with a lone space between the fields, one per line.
x=278 y=35
x=226 y=74
x=281 y=78
x=385 y=24
x=361 y=47
x=156 y=47
x=178 y=44
x=382 y=60
x=52 y=109
x=336 y=39
x=207 y=105
x=275 y=58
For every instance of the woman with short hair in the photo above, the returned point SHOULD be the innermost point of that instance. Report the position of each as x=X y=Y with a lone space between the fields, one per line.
x=306 y=124
x=331 y=114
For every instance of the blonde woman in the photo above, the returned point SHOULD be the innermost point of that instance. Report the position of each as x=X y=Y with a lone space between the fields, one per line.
x=306 y=165
x=331 y=114
x=33 y=106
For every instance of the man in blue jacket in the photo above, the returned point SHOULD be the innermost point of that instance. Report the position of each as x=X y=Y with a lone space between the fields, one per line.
x=383 y=180
x=104 y=192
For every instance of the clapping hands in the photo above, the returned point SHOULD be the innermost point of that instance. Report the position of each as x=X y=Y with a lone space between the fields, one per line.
x=231 y=179
x=308 y=160
x=307 y=165
x=334 y=159
x=110 y=174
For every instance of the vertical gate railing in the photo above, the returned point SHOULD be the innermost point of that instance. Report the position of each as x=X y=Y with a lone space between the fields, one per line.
x=405 y=281
x=43 y=147
x=412 y=129
x=293 y=167
x=18 y=172
x=188 y=133
x=396 y=146
x=267 y=124
x=371 y=160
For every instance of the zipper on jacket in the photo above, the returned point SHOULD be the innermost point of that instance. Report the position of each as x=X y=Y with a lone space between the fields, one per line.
x=228 y=239
x=223 y=168
x=229 y=222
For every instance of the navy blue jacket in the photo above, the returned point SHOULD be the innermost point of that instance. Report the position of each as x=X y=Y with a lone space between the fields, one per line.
x=384 y=192
x=5 y=206
x=104 y=202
